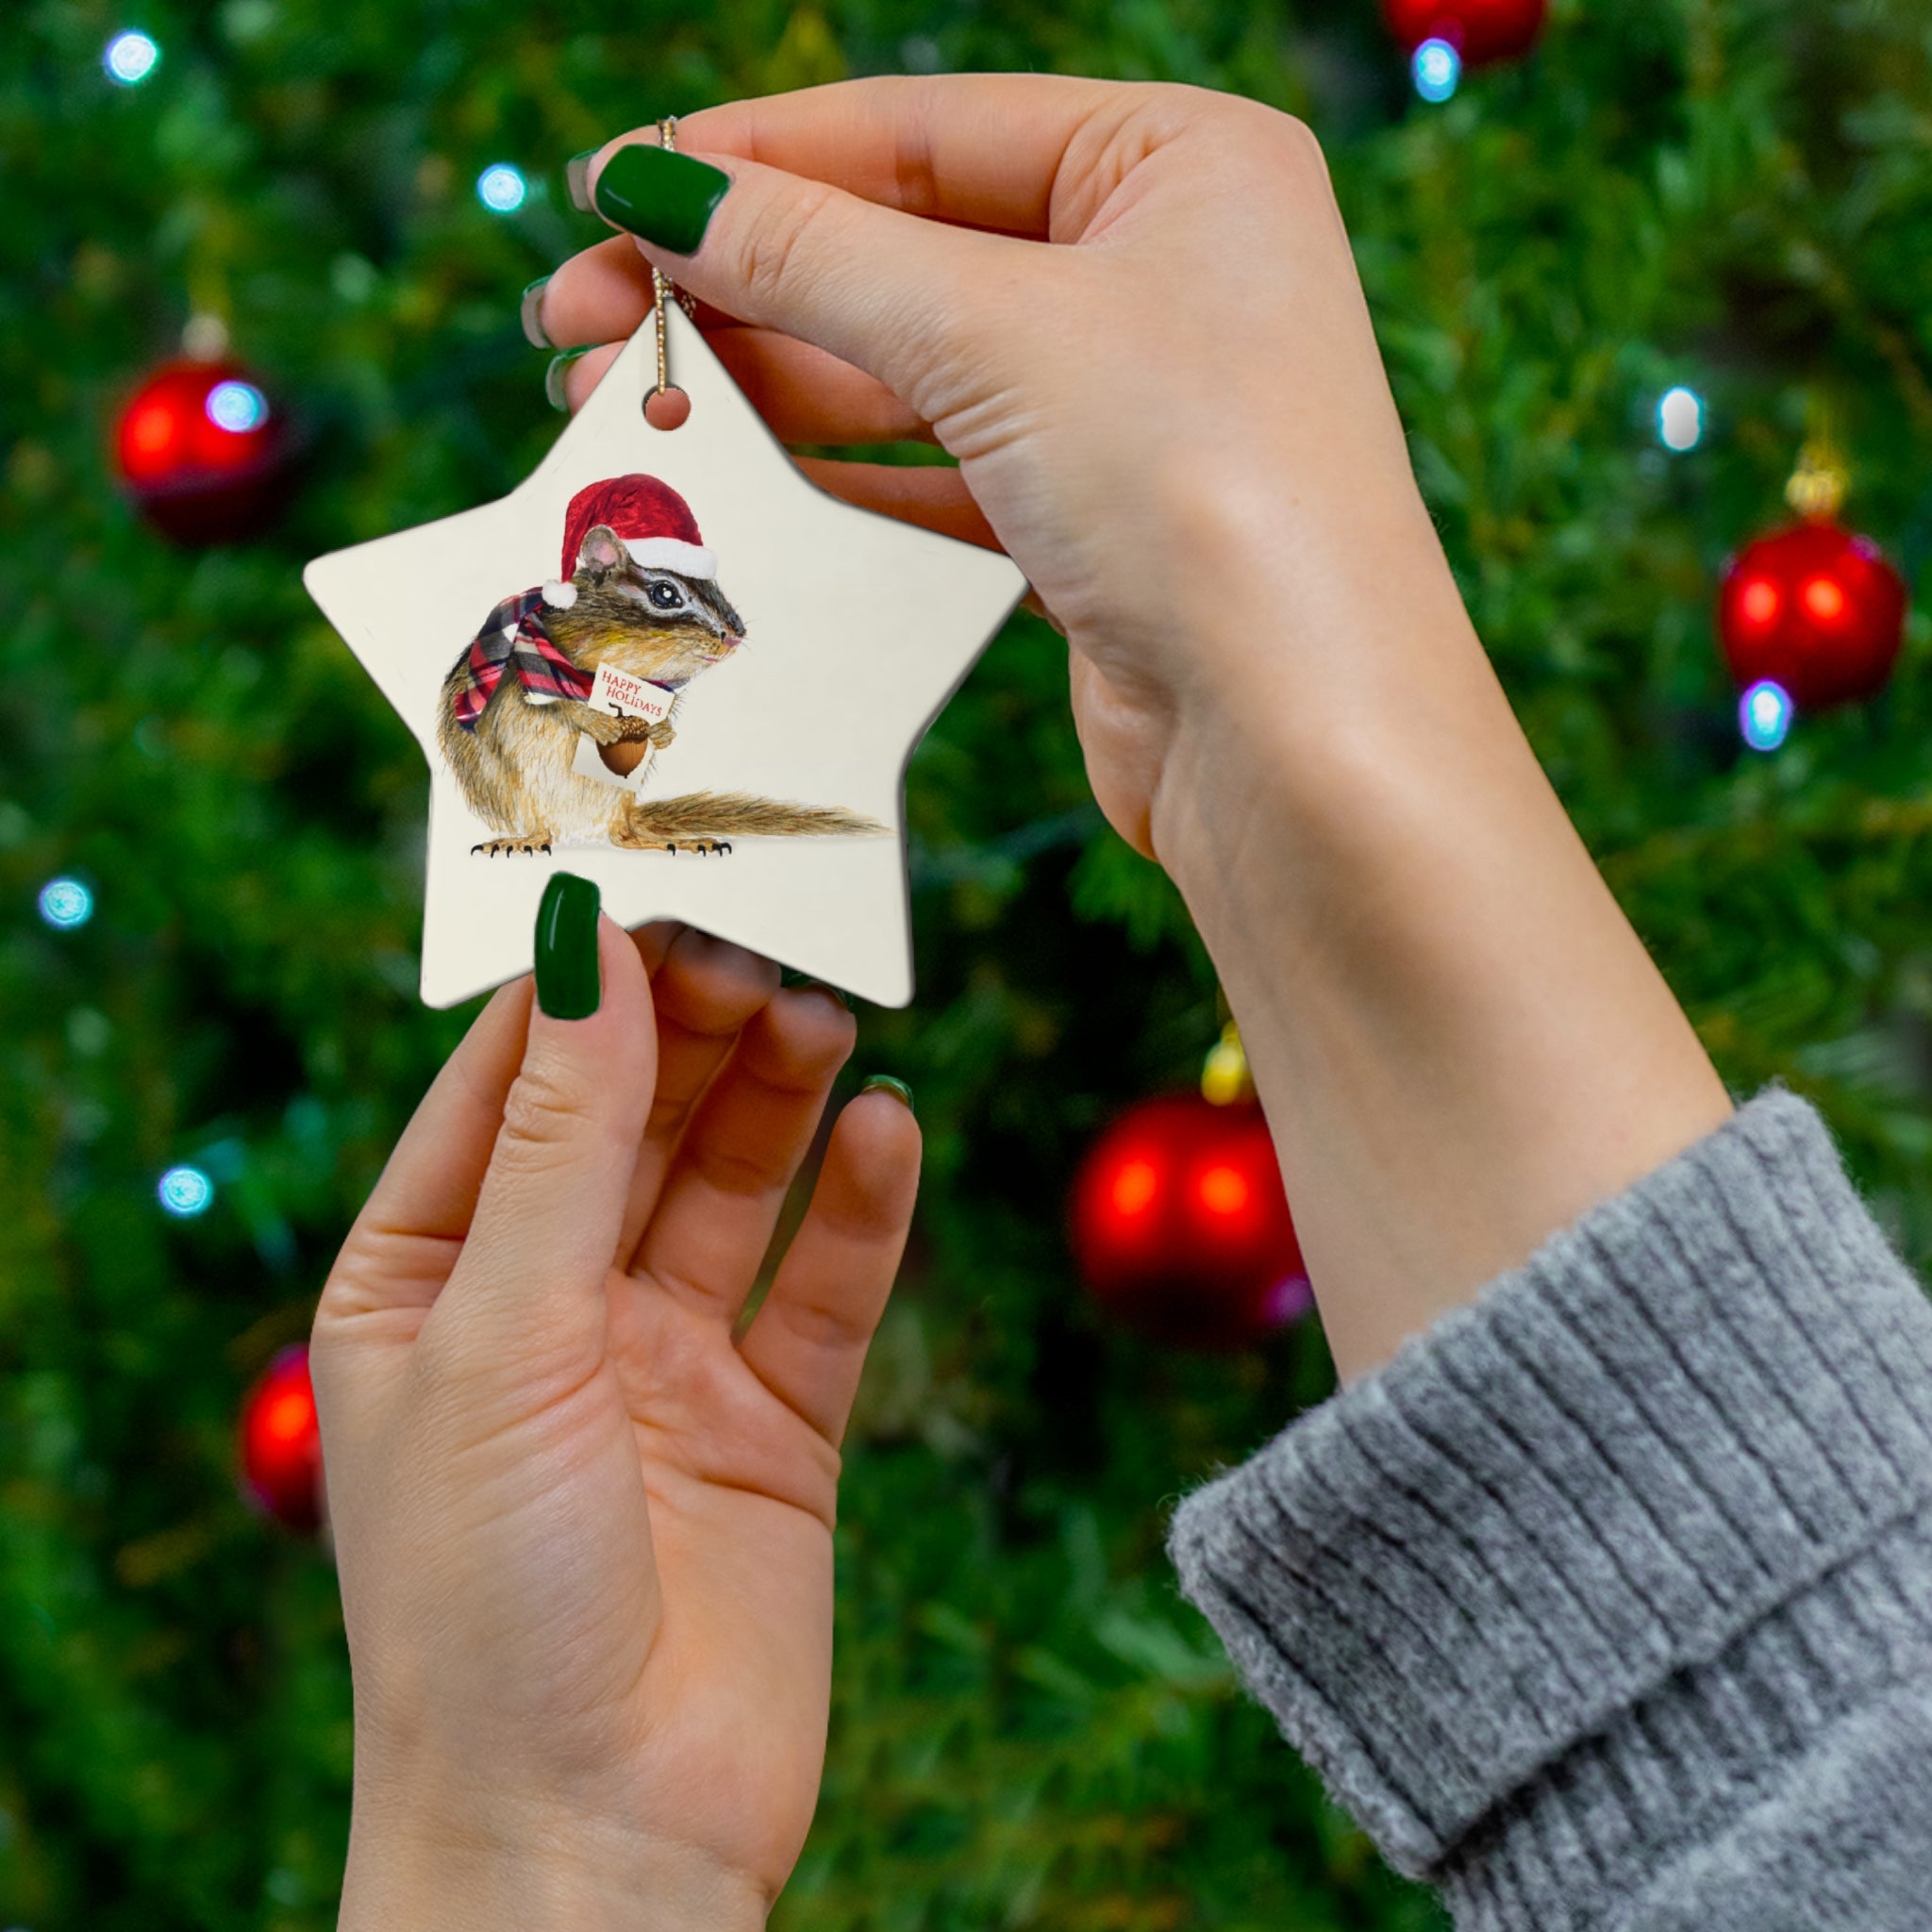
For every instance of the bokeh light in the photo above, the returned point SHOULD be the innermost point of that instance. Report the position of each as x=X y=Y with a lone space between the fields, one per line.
x=1764 y=715
x=1222 y=1190
x=65 y=903
x=502 y=188
x=1824 y=599
x=1681 y=418
x=238 y=406
x=1134 y=1187
x=1290 y=1297
x=185 y=1191
x=1758 y=602
x=1438 y=69
x=130 y=59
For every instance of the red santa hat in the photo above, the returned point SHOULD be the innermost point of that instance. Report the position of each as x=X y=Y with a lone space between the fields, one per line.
x=647 y=517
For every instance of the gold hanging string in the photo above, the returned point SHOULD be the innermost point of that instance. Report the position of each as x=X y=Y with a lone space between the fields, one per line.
x=662 y=288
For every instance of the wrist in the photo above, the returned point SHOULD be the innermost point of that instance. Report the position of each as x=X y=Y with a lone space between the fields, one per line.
x=1461 y=1043
x=492 y=1875
x=1331 y=670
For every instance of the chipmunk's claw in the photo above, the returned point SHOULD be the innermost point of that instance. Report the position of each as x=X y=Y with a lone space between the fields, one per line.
x=705 y=848
x=492 y=847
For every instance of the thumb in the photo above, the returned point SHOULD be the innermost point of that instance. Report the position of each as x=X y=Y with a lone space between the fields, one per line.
x=528 y=1291
x=890 y=292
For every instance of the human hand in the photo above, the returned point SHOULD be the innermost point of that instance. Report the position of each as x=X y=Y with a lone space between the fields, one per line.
x=1175 y=418
x=1176 y=421
x=584 y=1538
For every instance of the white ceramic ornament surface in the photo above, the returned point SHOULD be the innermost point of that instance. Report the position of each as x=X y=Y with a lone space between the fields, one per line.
x=856 y=630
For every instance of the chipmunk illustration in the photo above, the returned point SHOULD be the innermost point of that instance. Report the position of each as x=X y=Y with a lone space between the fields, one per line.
x=641 y=597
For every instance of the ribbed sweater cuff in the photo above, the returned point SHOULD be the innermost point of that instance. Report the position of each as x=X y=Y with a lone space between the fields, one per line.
x=1678 y=1416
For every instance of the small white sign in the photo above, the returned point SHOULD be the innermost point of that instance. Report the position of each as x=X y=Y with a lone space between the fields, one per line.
x=625 y=696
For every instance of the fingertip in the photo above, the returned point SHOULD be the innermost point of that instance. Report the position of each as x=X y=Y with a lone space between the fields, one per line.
x=881 y=1132
x=587 y=372
x=625 y=975
x=586 y=967
x=512 y=996
x=888 y=1083
x=813 y=1024
x=713 y=985
x=580 y=172
x=600 y=295
x=653 y=942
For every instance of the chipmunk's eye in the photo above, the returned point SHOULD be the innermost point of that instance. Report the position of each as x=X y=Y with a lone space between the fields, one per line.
x=666 y=596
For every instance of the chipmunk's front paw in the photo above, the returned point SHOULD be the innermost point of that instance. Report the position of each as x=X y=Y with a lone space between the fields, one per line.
x=534 y=843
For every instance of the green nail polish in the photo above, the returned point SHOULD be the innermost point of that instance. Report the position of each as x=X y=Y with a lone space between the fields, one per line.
x=553 y=378
x=808 y=984
x=576 y=178
x=892 y=1086
x=569 y=985
x=667 y=198
x=530 y=311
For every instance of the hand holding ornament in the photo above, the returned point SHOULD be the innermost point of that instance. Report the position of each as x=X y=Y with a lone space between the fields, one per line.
x=584 y=1530
x=1132 y=313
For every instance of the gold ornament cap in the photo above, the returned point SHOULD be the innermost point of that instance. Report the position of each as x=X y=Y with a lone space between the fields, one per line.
x=1818 y=484
x=1224 y=1077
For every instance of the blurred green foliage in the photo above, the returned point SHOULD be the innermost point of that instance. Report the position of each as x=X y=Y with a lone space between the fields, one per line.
x=1030 y=1727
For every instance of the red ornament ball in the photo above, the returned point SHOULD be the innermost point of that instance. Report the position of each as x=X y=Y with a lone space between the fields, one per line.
x=1815 y=608
x=1181 y=1227
x=204 y=452
x=281 y=1444
x=1479 y=30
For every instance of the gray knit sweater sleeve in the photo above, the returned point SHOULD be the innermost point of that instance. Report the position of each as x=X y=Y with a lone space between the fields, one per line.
x=1608 y=1604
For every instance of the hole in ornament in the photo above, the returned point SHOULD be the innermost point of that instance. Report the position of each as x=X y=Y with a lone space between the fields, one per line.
x=667 y=408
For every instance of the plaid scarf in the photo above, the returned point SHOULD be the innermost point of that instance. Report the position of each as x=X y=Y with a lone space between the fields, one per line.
x=513 y=634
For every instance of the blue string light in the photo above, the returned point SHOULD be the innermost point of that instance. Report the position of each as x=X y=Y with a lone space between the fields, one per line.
x=185 y=1191
x=65 y=903
x=236 y=406
x=1438 y=69
x=1764 y=715
x=130 y=59
x=1681 y=418
x=501 y=188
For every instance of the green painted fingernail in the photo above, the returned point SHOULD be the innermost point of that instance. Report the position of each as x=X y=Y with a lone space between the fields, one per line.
x=576 y=178
x=892 y=1086
x=553 y=376
x=569 y=985
x=667 y=198
x=808 y=984
x=531 y=314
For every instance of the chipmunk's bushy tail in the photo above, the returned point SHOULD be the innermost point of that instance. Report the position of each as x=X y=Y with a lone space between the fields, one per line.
x=738 y=814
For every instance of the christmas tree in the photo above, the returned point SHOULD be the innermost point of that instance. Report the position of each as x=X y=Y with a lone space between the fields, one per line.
x=211 y=831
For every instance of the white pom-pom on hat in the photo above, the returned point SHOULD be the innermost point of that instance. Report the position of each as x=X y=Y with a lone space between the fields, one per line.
x=560 y=596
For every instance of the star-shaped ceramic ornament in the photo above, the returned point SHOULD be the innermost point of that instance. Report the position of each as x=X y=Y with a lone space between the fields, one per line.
x=669 y=663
